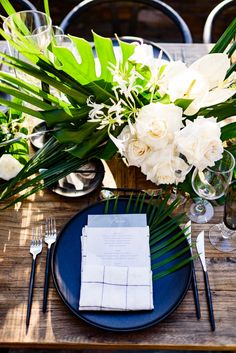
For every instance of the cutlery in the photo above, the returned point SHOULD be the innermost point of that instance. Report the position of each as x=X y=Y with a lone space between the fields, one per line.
x=50 y=238
x=201 y=252
x=188 y=233
x=35 y=249
x=107 y=192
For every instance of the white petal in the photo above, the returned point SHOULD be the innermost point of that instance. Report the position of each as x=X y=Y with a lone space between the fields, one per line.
x=217 y=96
x=213 y=67
x=9 y=167
x=193 y=108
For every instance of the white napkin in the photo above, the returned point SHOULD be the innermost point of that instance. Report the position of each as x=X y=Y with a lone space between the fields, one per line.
x=116 y=288
x=116 y=268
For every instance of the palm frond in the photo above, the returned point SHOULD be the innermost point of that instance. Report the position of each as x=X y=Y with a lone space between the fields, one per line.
x=169 y=248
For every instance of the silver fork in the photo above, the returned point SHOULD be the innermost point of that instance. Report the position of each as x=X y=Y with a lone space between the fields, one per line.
x=35 y=249
x=50 y=238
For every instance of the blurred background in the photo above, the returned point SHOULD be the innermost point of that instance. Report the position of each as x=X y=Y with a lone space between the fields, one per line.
x=194 y=13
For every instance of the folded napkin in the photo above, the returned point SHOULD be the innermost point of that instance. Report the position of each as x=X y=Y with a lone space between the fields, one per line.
x=116 y=288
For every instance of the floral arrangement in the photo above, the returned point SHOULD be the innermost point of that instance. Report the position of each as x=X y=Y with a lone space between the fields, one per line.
x=162 y=116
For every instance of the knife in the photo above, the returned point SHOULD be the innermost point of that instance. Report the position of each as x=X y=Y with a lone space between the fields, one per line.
x=188 y=233
x=201 y=252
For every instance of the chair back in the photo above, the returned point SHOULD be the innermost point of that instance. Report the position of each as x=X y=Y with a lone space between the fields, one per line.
x=212 y=17
x=21 y=5
x=125 y=18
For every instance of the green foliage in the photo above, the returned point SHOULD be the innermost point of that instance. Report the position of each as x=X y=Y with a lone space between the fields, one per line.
x=10 y=127
x=65 y=108
x=166 y=236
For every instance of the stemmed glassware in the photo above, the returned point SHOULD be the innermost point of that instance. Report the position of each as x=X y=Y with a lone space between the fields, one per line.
x=180 y=168
x=34 y=25
x=223 y=235
x=210 y=184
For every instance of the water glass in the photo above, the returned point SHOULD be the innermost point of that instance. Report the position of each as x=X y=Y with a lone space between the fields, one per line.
x=223 y=235
x=26 y=24
x=210 y=184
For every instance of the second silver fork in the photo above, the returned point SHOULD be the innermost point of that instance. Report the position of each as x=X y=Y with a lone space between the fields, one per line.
x=50 y=238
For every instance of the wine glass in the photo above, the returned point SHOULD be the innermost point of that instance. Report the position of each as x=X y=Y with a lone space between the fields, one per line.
x=180 y=167
x=35 y=27
x=223 y=235
x=26 y=24
x=210 y=184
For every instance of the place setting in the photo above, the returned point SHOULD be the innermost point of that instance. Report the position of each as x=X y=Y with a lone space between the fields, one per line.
x=127 y=259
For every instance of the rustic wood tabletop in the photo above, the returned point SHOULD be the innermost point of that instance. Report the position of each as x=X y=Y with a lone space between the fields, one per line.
x=59 y=328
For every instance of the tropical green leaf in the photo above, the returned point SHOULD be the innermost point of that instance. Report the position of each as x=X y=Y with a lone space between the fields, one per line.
x=165 y=245
x=31 y=88
x=231 y=49
x=66 y=115
x=106 y=56
x=231 y=70
x=228 y=131
x=74 y=135
x=87 y=65
x=183 y=103
x=225 y=39
x=220 y=111
x=7 y=7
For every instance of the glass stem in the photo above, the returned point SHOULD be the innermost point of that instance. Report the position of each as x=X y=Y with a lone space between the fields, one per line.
x=199 y=207
x=225 y=232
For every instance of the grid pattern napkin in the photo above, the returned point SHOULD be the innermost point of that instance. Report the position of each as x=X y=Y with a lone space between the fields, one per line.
x=116 y=269
x=116 y=288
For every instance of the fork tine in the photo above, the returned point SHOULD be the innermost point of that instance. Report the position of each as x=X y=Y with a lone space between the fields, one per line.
x=53 y=220
x=50 y=226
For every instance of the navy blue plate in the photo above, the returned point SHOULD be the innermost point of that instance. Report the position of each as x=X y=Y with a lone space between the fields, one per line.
x=169 y=291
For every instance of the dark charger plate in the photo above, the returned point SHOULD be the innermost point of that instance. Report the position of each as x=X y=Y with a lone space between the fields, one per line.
x=169 y=291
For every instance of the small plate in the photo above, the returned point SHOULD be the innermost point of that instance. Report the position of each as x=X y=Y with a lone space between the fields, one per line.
x=81 y=182
x=38 y=141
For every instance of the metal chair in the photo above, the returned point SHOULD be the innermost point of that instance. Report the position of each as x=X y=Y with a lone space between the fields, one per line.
x=208 y=27
x=26 y=4
x=130 y=10
x=20 y=5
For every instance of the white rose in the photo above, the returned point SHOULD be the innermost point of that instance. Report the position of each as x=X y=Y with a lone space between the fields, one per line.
x=200 y=142
x=9 y=167
x=156 y=124
x=158 y=166
x=133 y=149
x=137 y=151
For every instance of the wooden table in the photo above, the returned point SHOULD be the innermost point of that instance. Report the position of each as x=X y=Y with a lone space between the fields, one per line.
x=59 y=328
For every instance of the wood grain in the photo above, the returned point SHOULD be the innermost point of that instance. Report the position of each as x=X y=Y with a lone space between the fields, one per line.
x=58 y=328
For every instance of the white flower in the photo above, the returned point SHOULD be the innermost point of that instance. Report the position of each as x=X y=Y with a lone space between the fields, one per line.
x=158 y=166
x=203 y=82
x=134 y=150
x=156 y=124
x=126 y=82
x=9 y=167
x=143 y=54
x=189 y=84
x=200 y=142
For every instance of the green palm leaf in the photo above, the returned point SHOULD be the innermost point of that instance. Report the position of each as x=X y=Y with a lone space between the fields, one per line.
x=168 y=249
